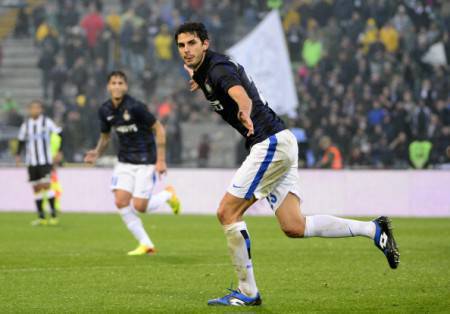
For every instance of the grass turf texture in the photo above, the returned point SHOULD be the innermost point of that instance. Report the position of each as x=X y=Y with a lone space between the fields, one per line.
x=81 y=266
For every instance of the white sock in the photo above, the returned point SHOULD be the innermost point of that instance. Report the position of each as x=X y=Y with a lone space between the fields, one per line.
x=134 y=224
x=157 y=200
x=333 y=227
x=238 y=241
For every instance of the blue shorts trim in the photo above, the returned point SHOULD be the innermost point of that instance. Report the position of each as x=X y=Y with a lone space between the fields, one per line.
x=263 y=168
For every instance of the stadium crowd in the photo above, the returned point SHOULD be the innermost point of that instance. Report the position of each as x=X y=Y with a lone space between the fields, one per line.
x=372 y=76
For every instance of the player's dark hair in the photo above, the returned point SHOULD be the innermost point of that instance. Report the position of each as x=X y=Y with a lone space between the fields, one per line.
x=36 y=101
x=117 y=73
x=195 y=28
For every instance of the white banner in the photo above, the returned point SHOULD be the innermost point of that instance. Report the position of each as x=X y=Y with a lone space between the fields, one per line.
x=264 y=55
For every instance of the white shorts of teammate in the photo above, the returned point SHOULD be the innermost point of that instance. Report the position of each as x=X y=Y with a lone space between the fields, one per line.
x=269 y=171
x=139 y=180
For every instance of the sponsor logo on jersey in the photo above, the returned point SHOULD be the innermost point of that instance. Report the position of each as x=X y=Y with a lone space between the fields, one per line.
x=127 y=128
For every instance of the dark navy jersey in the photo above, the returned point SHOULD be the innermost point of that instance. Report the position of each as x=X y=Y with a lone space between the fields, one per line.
x=132 y=122
x=215 y=76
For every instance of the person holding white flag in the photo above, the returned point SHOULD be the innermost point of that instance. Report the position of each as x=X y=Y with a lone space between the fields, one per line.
x=269 y=171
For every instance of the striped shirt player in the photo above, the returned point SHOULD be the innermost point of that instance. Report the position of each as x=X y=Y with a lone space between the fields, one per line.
x=141 y=158
x=34 y=138
x=270 y=169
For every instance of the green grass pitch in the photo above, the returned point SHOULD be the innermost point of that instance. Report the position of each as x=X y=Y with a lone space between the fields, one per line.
x=81 y=267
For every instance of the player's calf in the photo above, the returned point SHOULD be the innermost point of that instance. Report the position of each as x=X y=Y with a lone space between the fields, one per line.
x=294 y=230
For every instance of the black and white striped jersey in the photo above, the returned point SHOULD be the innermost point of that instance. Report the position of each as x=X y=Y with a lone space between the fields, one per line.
x=36 y=134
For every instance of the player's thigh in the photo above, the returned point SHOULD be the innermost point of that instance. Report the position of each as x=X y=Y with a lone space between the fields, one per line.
x=145 y=180
x=290 y=217
x=40 y=178
x=262 y=170
x=122 y=198
x=232 y=208
x=123 y=178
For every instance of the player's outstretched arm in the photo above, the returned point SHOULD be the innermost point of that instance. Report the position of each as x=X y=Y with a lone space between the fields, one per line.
x=160 y=135
x=92 y=155
x=244 y=102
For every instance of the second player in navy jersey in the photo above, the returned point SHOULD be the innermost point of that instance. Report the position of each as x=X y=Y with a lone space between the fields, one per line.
x=141 y=158
x=270 y=170
x=131 y=121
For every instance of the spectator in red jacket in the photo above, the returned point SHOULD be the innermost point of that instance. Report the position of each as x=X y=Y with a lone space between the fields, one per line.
x=93 y=25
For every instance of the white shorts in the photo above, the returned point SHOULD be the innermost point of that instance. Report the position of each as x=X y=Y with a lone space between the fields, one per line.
x=139 y=180
x=270 y=170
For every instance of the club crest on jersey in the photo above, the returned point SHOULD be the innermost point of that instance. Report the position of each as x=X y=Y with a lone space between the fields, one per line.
x=126 y=115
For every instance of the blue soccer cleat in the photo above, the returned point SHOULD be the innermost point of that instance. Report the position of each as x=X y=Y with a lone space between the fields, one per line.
x=384 y=240
x=236 y=298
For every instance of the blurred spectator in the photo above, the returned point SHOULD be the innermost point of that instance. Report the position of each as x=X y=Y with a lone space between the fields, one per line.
x=68 y=16
x=22 y=28
x=138 y=49
x=203 y=151
x=370 y=35
x=390 y=38
x=163 y=48
x=38 y=15
x=114 y=22
x=59 y=75
x=44 y=31
x=9 y=110
x=93 y=24
x=149 y=81
x=45 y=63
x=419 y=153
x=331 y=158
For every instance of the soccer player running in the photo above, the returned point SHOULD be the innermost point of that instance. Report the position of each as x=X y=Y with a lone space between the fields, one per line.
x=34 y=135
x=270 y=169
x=140 y=159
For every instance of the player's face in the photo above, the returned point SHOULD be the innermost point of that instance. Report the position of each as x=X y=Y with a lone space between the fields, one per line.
x=35 y=110
x=117 y=87
x=191 y=49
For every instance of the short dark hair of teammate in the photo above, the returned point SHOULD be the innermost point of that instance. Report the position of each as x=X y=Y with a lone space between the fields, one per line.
x=195 y=28
x=117 y=73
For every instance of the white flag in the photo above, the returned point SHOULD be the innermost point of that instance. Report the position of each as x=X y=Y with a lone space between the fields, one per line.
x=264 y=55
x=436 y=55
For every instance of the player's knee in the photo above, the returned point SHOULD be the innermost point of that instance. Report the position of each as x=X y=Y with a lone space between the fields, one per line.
x=140 y=206
x=121 y=203
x=225 y=216
x=294 y=231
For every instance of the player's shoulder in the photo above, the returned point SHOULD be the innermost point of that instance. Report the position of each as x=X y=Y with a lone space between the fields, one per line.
x=105 y=108
x=48 y=120
x=222 y=65
x=132 y=103
x=219 y=59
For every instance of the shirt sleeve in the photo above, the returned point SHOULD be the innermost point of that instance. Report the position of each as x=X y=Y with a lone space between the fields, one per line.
x=53 y=127
x=143 y=115
x=105 y=126
x=22 y=135
x=224 y=76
